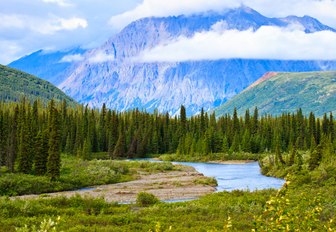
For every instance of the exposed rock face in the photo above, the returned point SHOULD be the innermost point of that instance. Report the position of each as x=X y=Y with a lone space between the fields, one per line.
x=109 y=74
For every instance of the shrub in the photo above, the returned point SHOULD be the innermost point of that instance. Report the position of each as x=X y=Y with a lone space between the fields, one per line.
x=210 y=181
x=146 y=199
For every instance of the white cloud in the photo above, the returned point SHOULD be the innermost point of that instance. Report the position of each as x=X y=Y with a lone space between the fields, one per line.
x=43 y=26
x=38 y=24
x=268 y=42
x=62 y=3
x=321 y=9
x=11 y=49
x=168 y=8
x=10 y=21
x=101 y=57
x=72 y=58
x=58 y=24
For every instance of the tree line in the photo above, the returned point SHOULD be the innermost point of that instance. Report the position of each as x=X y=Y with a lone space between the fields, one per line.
x=33 y=135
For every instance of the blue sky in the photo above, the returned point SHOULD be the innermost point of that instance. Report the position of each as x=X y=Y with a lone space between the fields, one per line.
x=27 y=26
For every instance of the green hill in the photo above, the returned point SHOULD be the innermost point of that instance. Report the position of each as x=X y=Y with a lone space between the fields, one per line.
x=276 y=93
x=14 y=85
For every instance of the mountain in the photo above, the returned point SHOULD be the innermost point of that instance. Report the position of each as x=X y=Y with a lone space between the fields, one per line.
x=48 y=65
x=276 y=93
x=110 y=74
x=14 y=85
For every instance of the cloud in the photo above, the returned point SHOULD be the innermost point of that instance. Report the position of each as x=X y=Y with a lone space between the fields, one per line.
x=10 y=21
x=169 y=8
x=101 y=57
x=62 y=3
x=47 y=26
x=72 y=58
x=58 y=24
x=61 y=24
x=11 y=49
x=321 y=9
x=268 y=42
x=55 y=24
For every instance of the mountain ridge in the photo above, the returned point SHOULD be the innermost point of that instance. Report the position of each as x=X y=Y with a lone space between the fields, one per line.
x=108 y=74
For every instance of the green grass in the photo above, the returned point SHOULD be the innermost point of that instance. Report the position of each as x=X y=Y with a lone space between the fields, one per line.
x=77 y=173
x=286 y=92
x=211 y=157
x=305 y=203
x=87 y=214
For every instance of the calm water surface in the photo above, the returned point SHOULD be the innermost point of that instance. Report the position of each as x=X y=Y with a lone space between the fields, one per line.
x=236 y=176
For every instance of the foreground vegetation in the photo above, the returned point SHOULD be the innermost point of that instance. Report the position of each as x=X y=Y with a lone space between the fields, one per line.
x=83 y=214
x=305 y=203
x=77 y=173
x=291 y=209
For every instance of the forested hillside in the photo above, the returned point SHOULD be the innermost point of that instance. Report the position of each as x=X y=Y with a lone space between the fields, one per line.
x=276 y=93
x=15 y=85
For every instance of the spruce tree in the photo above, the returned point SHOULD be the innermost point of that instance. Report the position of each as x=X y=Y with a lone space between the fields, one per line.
x=315 y=158
x=183 y=121
x=41 y=153
x=225 y=146
x=54 y=153
x=25 y=146
x=86 y=150
x=235 y=144
x=278 y=154
x=113 y=134
x=120 y=148
x=246 y=142
x=12 y=147
x=292 y=156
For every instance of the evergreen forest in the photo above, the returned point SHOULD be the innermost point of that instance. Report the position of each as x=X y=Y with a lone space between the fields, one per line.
x=32 y=135
x=55 y=147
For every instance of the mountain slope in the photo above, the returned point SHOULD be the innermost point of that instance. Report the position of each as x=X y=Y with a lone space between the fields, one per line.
x=14 y=85
x=110 y=74
x=123 y=83
x=276 y=93
x=50 y=66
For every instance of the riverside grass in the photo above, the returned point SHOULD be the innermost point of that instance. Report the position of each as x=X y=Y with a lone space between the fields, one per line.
x=303 y=204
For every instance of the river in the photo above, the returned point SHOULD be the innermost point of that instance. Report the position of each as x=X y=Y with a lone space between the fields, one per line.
x=235 y=176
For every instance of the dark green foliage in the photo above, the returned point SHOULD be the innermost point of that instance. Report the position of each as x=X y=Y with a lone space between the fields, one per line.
x=146 y=199
x=86 y=152
x=27 y=128
x=41 y=153
x=120 y=148
x=315 y=158
x=25 y=151
x=292 y=156
x=54 y=152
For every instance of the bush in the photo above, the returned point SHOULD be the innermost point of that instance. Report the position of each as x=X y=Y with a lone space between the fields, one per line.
x=146 y=199
x=207 y=181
